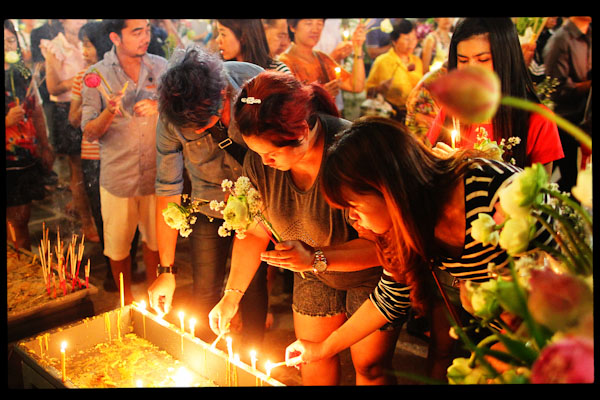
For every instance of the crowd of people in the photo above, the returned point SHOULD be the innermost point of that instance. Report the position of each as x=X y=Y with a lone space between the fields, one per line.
x=331 y=121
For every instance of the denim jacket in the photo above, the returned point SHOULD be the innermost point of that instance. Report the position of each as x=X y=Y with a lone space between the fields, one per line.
x=207 y=164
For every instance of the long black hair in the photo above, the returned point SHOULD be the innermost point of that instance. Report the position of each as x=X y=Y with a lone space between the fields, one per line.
x=510 y=67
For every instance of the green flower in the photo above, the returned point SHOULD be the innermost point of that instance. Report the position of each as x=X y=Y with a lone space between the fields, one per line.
x=516 y=234
x=483 y=299
x=461 y=373
x=483 y=229
x=11 y=57
x=236 y=212
x=177 y=217
x=532 y=180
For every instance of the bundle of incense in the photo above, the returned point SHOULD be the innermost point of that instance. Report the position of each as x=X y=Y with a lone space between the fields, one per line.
x=87 y=274
x=14 y=239
x=72 y=264
x=45 y=270
x=79 y=257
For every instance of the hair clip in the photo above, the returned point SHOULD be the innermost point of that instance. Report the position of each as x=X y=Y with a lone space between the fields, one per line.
x=250 y=100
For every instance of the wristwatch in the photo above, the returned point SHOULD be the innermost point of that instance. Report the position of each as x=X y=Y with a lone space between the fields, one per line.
x=319 y=262
x=161 y=270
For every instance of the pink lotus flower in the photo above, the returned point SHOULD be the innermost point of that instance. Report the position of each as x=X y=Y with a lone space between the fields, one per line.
x=570 y=360
x=92 y=80
x=471 y=94
x=558 y=301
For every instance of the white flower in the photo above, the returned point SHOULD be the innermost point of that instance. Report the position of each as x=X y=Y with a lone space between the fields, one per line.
x=583 y=189
x=386 y=26
x=226 y=185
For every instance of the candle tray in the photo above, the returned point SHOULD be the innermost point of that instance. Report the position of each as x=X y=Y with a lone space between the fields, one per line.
x=189 y=351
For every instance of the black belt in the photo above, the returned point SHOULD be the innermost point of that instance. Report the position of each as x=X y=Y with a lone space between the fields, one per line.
x=219 y=135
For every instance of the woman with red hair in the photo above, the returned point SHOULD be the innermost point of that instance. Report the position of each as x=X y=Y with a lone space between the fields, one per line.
x=289 y=126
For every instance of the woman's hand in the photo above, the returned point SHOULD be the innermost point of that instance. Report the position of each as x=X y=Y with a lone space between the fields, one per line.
x=294 y=255
x=442 y=150
x=333 y=87
x=15 y=115
x=303 y=351
x=221 y=315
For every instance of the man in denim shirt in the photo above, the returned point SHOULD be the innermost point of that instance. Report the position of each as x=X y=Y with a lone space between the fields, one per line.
x=122 y=112
x=196 y=95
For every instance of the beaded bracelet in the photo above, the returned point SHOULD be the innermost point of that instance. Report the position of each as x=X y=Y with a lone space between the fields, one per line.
x=235 y=290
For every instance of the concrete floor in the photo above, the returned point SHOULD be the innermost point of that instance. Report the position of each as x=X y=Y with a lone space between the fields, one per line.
x=410 y=352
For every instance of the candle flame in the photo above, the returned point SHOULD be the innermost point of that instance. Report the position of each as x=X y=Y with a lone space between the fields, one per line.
x=63 y=346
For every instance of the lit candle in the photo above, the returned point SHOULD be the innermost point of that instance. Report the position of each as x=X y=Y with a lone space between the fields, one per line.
x=181 y=314
x=338 y=71
x=63 y=362
x=143 y=310
x=192 y=326
x=346 y=34
x=139 y=383
x=229 y=347
x=253 y=358
x=268 y=368
x=122 y=289
x=453 y=135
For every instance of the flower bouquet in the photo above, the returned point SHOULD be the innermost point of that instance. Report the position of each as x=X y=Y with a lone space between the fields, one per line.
x=540 y=308
x=244 y=206
x=181 y=217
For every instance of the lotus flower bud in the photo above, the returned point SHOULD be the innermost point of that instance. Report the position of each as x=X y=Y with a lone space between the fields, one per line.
x=471 y=94
x=92 y=80
x=483 y=230
x=570 y=360
x=558 y=301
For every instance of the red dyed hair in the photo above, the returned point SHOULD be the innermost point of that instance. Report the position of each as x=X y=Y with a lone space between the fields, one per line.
x=286 y=108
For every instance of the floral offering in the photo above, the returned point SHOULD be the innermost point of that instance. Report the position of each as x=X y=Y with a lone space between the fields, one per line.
x=244 y=206
x=181 y=217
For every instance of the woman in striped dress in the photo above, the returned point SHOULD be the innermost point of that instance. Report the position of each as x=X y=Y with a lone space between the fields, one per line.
x=421 y=207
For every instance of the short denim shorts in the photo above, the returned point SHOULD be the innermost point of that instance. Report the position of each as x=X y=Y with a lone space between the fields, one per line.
x=331 y=293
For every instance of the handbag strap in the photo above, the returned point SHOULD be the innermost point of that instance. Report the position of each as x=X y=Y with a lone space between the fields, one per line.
x=220 y=136
x=447 y=302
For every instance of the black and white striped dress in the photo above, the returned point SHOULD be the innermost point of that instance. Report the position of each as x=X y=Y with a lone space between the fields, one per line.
x=483 y=183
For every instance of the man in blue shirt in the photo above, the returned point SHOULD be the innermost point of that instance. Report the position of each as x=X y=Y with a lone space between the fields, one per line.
x=196 y=133
x=122 y=112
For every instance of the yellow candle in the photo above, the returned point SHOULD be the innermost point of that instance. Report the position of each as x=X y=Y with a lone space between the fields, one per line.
x=119 y=324
x=63 y=362
x=122 y=290
x=253 y=358
x=346 y=34
x=338 y=71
